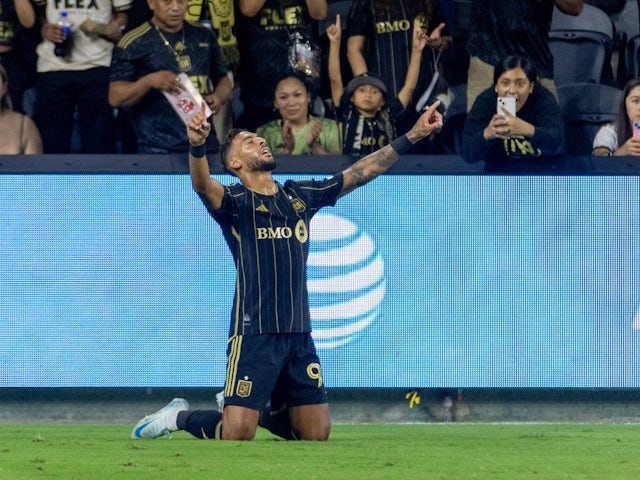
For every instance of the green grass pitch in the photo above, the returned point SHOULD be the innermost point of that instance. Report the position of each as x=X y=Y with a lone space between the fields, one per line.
x=360 y=451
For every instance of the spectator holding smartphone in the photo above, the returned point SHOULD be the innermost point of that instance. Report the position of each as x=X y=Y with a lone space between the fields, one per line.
x=507 y=142
x=622 y=137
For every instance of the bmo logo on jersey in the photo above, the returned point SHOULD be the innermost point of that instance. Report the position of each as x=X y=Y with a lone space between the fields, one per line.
x=345 y=279
x=271 y=233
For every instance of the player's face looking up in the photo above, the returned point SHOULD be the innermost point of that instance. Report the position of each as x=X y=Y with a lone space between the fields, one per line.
x=251 y=152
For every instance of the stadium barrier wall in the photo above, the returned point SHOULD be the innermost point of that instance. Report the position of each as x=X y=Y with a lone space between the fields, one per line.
x=435 y=166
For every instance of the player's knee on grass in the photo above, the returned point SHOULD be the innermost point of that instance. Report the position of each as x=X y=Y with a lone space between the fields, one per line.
x=239 y=423
x=311 y=422
x=316 y=433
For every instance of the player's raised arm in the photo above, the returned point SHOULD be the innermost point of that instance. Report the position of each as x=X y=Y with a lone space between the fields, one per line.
x=378 y=162
x=209 y=190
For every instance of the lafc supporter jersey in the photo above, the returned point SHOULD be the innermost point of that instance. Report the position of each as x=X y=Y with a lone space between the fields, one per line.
x=268 y=236
x=142 y=51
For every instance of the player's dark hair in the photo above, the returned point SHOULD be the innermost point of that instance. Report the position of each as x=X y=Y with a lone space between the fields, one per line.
x=515 y=61
x=226 y=146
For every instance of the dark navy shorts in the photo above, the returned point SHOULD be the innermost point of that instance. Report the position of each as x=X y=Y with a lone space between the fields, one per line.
x=283 y=365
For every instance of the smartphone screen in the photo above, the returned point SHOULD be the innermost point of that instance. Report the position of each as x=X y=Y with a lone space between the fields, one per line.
x=508 y=103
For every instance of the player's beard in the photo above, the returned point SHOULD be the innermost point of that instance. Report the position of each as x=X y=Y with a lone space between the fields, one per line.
x=261 y=165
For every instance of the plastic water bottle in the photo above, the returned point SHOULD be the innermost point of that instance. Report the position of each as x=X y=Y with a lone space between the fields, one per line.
x=63 y=49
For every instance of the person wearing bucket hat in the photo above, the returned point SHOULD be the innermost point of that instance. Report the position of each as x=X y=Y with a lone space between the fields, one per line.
x=365 y=110
x=366 y=79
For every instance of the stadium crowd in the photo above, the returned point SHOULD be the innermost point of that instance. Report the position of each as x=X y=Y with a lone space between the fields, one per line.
x=312 y=76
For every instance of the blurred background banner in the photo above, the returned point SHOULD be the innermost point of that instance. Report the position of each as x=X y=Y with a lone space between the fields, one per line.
x=438 y=281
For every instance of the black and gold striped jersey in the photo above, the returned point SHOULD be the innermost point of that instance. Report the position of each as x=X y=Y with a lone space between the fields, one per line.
x=268 y=236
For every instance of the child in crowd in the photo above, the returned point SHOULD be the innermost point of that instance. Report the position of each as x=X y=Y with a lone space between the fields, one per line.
x=620 y=137
x=367 y=120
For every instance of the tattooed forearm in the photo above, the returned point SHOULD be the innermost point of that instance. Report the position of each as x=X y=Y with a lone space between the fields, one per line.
x=368 y=168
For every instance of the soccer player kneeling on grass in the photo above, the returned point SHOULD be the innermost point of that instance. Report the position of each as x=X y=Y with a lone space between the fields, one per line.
x=274 y=378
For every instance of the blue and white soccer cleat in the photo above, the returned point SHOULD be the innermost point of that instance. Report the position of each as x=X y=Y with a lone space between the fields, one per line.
x=157 y=424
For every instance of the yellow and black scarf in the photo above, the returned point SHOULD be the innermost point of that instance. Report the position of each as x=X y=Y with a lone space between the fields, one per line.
x=222 y=15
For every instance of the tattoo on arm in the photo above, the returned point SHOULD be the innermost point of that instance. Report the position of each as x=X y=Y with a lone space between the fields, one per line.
x=368 y=168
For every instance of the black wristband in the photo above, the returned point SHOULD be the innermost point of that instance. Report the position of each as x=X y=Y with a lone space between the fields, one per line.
x=198 y=151
x=401 y=144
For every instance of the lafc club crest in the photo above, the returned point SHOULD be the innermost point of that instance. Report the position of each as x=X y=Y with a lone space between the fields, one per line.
x=243 y=389
x=298 y=205
x=184 y=63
